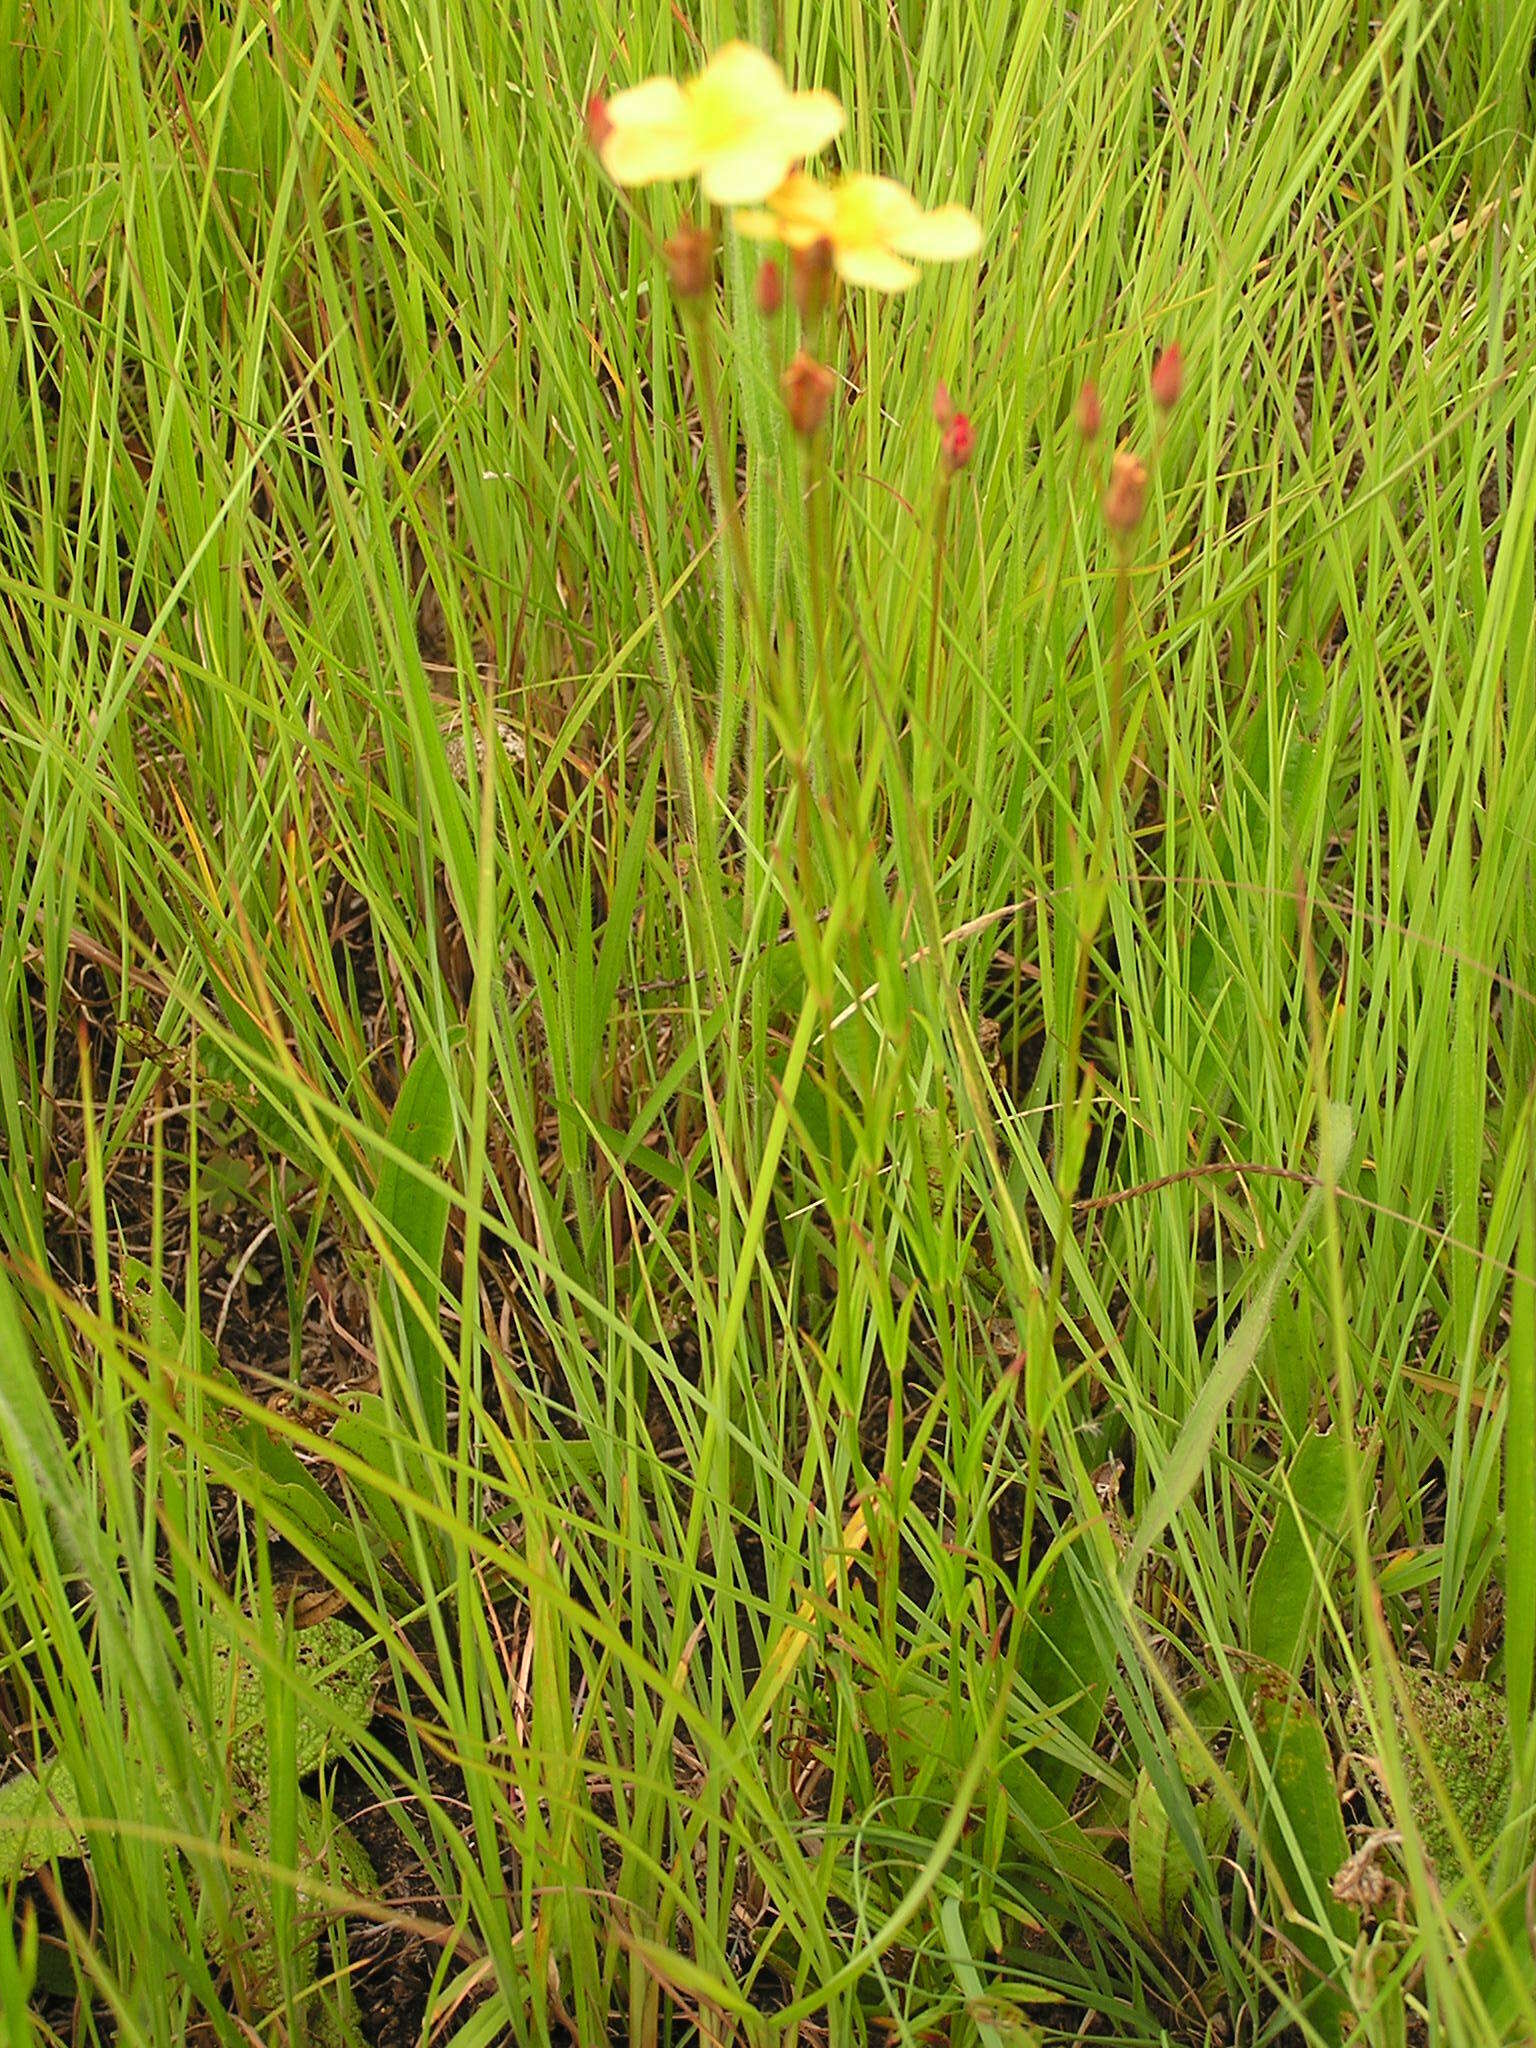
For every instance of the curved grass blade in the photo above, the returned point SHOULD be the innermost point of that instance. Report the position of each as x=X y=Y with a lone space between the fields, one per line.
x=1234 y=1363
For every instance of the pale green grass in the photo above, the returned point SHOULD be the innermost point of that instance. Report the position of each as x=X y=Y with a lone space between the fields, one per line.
x=342 y=407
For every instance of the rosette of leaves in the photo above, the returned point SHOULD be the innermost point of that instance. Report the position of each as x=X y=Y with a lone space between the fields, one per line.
x=41 y=1823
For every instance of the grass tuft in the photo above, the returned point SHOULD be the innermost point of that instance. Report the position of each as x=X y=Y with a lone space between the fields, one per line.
x=830 y=1131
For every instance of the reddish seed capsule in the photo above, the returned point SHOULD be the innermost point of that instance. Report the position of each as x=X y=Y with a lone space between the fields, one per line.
x=808 y=387
x=959 y=442
x=1126 y=498
x=770 y=288
x=1168 y=377
x=690 y=255
x=599 y=127
x=811 y=278
x=1090 y=414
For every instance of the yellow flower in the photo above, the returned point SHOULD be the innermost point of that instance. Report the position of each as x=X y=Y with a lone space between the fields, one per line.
x=737 y=125
x=873 y=225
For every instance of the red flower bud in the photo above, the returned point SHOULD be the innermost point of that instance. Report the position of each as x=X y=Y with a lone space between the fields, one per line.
x=1090 y=414
x=959 y=442
x=943 y=404
x=770 y=288
x=599 y=127
x=1168 y=377
x=808 y=387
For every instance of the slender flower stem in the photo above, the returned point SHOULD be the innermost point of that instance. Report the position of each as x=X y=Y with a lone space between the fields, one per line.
x=1094 y=891
x=728 y=514
x=678 y=720
x=727 y=510
x=940 y=531
x=925 y=733
x=818 y=542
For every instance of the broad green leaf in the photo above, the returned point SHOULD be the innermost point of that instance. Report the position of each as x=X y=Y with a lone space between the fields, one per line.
x=1162 y=1870
x=1290 y=1364
x=330 y=1659
x=57 y=227
x=330 y=1852
x=251 y=121
x=1285 y=1588
x=279 y=1479
x=1305 y=1811
x=366 y=1432
x=39 y=1821
x=39 y=1815
x=259 y=1101
x=924 y=1723
x=1052 y=1833
x=1262 y=803
x=257 y=1458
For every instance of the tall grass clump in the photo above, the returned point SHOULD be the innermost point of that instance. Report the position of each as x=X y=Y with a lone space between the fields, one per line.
x=767 y=1025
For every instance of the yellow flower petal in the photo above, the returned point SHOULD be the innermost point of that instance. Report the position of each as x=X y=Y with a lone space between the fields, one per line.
x=866 y=263
x=872 y=223
x=738 y=177
x=797 y=234
x=947 y=235
x=873 y=209
x=737 y=124
x=653 y=103
x=757 y=224
x=805 y=210
x=808 y=122
x=642 y=156
x=733 y=100
x=650 y=134
x=740 y=77
x=740 y=104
